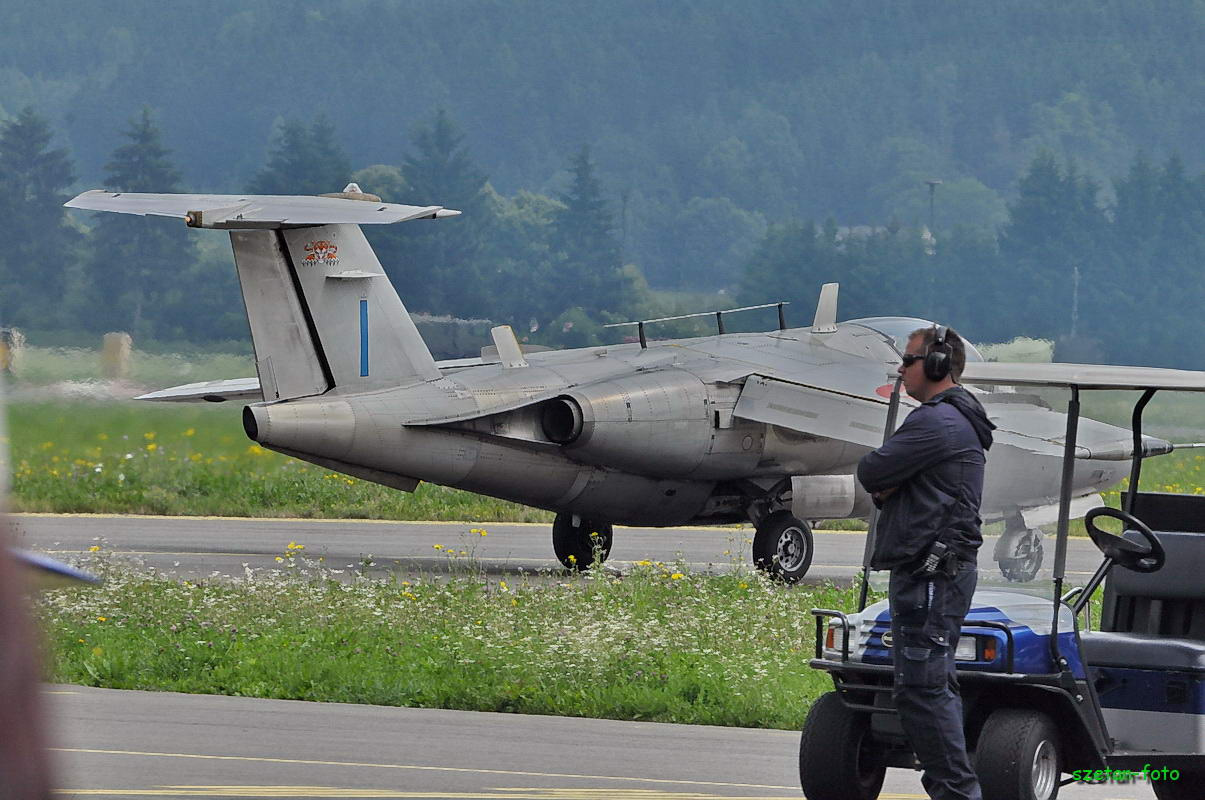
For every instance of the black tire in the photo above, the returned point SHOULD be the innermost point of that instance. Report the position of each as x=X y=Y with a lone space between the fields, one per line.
x=837 y=755
x=1186 y=787
x=1023 y=565
x=783 y=547
x=1018 y=757
x=575 y=545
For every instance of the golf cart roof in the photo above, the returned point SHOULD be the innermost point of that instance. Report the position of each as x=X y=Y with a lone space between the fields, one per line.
x=1082 y=376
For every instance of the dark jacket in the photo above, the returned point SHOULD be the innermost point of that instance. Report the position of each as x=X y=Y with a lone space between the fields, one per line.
x=936 y=458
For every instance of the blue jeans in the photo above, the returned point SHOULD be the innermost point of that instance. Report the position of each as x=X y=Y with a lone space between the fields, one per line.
x=926 y=617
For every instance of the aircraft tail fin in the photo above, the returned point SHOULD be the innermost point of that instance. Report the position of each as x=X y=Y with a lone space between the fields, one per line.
x=322 y=312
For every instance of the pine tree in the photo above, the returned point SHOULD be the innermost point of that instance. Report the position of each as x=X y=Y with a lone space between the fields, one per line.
x=303 y=160
x=590 y=273
x=442 y=266
x=40 y=247
x=136 y=263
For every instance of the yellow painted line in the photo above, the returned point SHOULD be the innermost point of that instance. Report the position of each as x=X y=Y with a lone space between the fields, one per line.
x=418 y=767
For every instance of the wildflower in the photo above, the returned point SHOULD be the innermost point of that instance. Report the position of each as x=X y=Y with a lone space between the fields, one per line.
x=677 y=576
x=256 y=450
x=98 y=651
x=743 y=585
x=190 y=432
x=279 y=559
x=102 y=619
x=438 y=546
x=94 y=548
x=152 y=447
x=149 y=436
x=295 y=546
x=194 y=457
x=502 y=585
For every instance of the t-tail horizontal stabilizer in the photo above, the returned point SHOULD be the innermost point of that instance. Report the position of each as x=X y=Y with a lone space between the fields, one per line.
x=322 y=312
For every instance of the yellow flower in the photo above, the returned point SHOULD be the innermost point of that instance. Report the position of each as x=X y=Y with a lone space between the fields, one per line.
x=256 y=450
x=572 y=559
x=98 y=651
x=102 y=619
x=190 y=432
x=279 y=559
x=104 y=437
x=438 y=546
x=194 y=457
x=502 y=585
x=149 y=436
x=152 y=447
x=295 y=546
x=677 y=576
x=743 y=585
x=94 y=548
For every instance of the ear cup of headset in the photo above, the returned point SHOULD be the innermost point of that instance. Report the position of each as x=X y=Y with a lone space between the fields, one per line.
x=937 y=360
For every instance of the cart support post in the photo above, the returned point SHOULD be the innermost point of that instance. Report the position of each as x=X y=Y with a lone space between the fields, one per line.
x=1136 y=465
x=893 y=409
x=1060 y=551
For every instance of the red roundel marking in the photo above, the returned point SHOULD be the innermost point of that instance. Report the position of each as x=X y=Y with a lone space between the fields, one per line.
x=884 y=391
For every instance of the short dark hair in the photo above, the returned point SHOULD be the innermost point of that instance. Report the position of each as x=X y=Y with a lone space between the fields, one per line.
x=958 y=353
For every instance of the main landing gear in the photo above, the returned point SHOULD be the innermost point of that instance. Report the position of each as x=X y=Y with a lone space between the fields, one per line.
x=783 y=546
x=577 y=540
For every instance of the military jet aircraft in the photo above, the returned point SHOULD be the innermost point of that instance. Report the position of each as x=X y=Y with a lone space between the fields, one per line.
x=758 y=427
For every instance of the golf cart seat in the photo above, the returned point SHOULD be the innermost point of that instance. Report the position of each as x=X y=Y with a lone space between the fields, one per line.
x=1156 y=620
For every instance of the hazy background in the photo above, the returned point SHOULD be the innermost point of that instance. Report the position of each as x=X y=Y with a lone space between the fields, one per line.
x=618 y=159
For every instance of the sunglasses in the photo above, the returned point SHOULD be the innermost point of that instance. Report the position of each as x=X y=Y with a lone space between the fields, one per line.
x=908 y=359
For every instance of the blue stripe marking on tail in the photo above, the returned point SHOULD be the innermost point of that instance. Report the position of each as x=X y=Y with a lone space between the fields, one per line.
x=363 y=338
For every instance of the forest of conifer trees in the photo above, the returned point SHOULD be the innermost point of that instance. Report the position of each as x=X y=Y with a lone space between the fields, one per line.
x=619 y=160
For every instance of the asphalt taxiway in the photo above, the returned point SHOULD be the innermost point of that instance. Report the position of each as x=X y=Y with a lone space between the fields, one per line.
x=128 y=744
x=205 y=545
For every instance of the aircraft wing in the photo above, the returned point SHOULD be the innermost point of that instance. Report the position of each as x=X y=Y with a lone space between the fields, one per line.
x=241 y=211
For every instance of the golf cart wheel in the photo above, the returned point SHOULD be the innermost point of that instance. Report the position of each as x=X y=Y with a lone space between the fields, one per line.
x=1018 y=756
x=576 y=545
x=1188 y=787
x=837 y=757
x=783 y=547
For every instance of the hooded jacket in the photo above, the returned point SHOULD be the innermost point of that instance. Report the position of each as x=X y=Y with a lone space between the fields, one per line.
x=936 y=460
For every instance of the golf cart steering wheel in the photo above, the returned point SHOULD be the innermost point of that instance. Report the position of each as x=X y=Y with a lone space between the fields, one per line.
x=1145 y=556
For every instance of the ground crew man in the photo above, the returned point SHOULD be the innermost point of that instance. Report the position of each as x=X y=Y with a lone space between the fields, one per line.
x=927 y=480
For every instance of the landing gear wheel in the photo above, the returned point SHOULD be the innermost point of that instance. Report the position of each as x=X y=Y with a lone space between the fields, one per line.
x=575 y=545
x=837 y=756
x=1025 y=561
x=1018 y=756
x=782 y=546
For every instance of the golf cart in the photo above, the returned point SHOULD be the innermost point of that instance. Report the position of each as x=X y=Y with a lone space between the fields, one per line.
x=1046 y=701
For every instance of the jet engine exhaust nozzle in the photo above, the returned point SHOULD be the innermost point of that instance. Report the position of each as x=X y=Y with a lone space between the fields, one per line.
x=561 y=420
x=250 y=423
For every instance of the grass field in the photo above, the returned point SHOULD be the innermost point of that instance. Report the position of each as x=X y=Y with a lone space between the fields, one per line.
x=658 y=644
x=145 y=458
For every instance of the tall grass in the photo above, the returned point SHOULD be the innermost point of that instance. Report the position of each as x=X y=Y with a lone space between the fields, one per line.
x=657 y=644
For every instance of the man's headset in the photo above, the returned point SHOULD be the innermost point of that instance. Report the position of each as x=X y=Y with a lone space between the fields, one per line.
x=937 y=357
